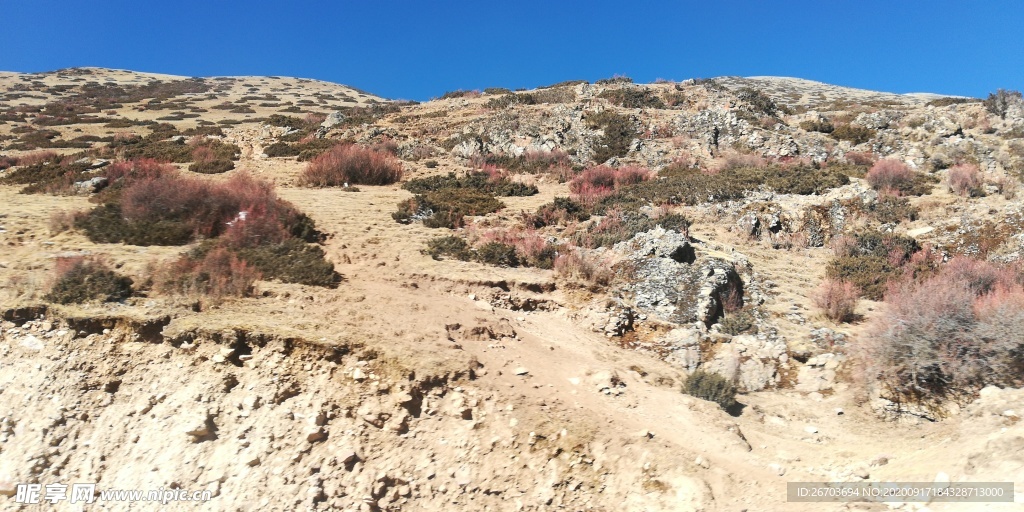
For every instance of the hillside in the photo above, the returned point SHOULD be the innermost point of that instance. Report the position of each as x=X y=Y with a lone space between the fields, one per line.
x=514 y=336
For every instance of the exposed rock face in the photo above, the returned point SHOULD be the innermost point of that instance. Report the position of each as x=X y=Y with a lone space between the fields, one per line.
x=676 y=284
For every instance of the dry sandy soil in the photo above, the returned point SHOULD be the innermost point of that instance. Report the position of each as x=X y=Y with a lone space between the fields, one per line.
x=419 y=384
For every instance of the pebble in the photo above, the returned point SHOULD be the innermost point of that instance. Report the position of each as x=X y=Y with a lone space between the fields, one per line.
x=521 y=371
x=811 y=429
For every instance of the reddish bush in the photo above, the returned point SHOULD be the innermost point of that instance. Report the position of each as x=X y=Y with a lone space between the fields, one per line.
x=218 y=273
x=37 y=157
x=203 y=154
x=837 y=299
x=890 y=176
x=254 y=225
x=353 y=165
x=947 y=336
x=205 y=206
x=964 y=180
x=865 y=158
x=598 y=182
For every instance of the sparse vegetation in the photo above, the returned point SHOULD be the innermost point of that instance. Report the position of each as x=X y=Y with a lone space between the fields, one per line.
x=711 y=387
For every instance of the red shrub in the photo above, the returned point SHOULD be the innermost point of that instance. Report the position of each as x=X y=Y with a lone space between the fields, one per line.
x=206 y=206
x=595 y=183
x=947 y=336
x=865 y=158
x=837 y=299
x=37 y=157
x=631 y=175
x=964 y=180
x=890 y=176
x=253 y=226
x=351 y=164
x=134 y=170
x=218 y=274
x=203 y=154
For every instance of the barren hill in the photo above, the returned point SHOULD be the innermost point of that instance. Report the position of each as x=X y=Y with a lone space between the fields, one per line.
x=497 y=306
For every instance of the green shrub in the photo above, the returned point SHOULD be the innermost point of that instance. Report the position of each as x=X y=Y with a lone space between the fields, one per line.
x=446 y=207
x=693 y=187
x=621 y=226
x=818 y=125
x=619 y=134
x=481 y=181
x=736 y=323
x=281 y=149
x=855 y=134
x=633 y=97
x=449 y=246
x=759 y=101
x=711 y=387
x=212 y=166
x=83 y=280
x=106 y=225
x=559 y=211
x=293 y=261
x=891 y=210
x=498 y=254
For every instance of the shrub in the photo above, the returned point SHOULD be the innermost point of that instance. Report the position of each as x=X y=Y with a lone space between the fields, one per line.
x=998 y=103
x=633 y=97
x=894 y=177
x=759 y=101
x=619 y=133
x=82 y=280
x=106 y=225
x=449 y=246
x=737 y=322
x=870 y=260
x=446 y=207
x=836 y=299
x=498 y=254
x=579 y=269
x=964 y=180
x=212 y=166
x=280 y=149
x=292 y=261
x=942 y=339
x=351 y=164
x=559 y=211
x=215 y=272
x=818 y=125
x=598 y=182
x=490 y=180
x=892 y=210
x=711 y=387
x=855 y=134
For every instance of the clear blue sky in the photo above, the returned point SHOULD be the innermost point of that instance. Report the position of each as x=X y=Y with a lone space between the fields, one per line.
x=420 y=49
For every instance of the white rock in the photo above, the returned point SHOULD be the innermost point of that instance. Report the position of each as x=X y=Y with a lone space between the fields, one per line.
x=358 y=375
x=31 y=342
x=811 y=429
x=521 y=371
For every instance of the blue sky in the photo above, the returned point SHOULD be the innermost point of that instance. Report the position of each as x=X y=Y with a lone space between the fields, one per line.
x=420 y=49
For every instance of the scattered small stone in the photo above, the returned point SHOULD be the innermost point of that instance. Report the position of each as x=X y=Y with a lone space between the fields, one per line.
x=702 y=462
x=811 y=429
x=358 y=375
x=521 y=371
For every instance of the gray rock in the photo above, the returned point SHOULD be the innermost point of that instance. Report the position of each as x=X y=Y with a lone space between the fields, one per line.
x=91 y=185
